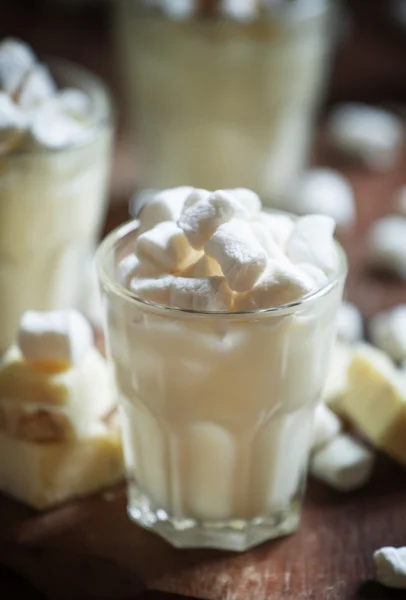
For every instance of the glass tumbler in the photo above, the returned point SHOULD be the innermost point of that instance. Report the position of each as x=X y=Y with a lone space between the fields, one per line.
x=216 y=408
x=52 y=207
x=224 y=94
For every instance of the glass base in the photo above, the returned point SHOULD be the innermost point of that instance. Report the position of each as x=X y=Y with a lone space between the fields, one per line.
x=234 y=535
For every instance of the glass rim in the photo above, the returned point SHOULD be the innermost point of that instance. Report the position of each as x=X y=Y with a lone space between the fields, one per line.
x=111 y=285
x=102 y=122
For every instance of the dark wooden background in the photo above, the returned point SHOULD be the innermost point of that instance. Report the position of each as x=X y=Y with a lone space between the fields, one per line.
x=88 y=549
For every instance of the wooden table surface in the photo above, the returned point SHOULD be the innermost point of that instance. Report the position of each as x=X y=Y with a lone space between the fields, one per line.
x=89 y=549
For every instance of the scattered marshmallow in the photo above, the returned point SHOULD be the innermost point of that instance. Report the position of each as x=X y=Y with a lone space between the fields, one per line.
x=350 y=327
x=165 y=246
x=154 y=289
x=390 y=564
x=204 y=267
x=367 y=133
x=388 y=332
x=241 y=257
x=281 y=283
x=12 y=123
x=203 y=294
x=166 y=205
x=387 y=244
x=37 y=87
x=60 y=337
x=249 y=199
x=312 y=241
x=200 y=221
x=16 y=60
x=280 y=226
x=326 y=427
x=325 y=192
x=344 y=463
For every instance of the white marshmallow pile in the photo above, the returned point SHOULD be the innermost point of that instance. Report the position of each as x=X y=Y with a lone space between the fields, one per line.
x=388 y=332
x=217 y=251
x=366 y=133
x=390 y=565
x=386 y=243
x=60 y=338
x=32 y=111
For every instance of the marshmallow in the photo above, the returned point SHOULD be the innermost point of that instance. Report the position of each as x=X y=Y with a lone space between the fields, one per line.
x=390 y=564
x=178 y=9
x=326 y=426
x=367 y=133
x=166 y=205
x=61 y=338
x=203 y=294
x=131 y=266
x=240 y=10
x=319 y=279
x=12 y=123
x=53 y=128
x=154 y=289
x=312 y=242
x=165 y=246
x=201 y=220
x=75 y=103
x=281 y=284
x=388 y=332
x=37 y=87
x=249 y=199
x=265 y=238
x=280 y=226
x=387 y=244
x=349 y=323
x=204 y=267
x=239 y=254
x=194 y=197
x=325 y=192
x=16 y=59
x=344 y=463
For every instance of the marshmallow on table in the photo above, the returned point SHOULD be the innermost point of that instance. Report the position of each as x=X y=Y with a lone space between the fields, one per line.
x=390 y=564
x=281 y=283
x=12 y=123
x=202 y=293
x=326 y=426
x=16 y=59
x=280 y=226
x=325 y=192
x=164 y=246
x=154 y=289
x=200 y=221
x=37 y=87
x=241 y=257
x=388 y=332
x=312 y=241
x=344 y=463
x=349 y=323
x=166 y=205
x=54 y=339
x=387 y=244
x=367 y=133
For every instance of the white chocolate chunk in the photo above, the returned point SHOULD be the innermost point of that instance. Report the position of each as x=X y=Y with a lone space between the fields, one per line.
x=16 y=59
x=203 y=294
x=166 y=205
x=164 y=246
x=204 y=267
x=249 y=199
x=312 y=241
x=37 y=87
x=344 y=463
x=200 y=221
x=390 y=564
x=387 y=244
x=326 y=427
x=62 y=337
x=388 y=332
x=154 y=289
x=367 y=133
x=281 y=283
x=12 y=123
x=350 y=327
x=280 y=226
x=239 y=254
x=325 y=192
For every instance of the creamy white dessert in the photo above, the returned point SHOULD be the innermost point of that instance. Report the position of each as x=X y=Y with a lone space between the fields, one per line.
x=58 y=433
x=55 y=145
x=217 y=391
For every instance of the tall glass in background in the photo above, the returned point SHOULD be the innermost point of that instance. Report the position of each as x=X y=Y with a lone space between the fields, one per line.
x=52 y=206
x=220 y=98
x=217 y=408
